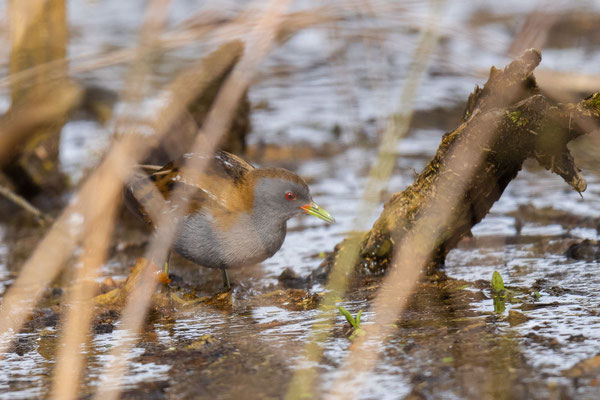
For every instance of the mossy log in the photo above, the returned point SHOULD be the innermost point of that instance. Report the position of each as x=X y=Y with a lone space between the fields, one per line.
x=505 y=122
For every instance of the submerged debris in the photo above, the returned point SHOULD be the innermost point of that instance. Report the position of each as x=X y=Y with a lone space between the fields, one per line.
x=587 y=250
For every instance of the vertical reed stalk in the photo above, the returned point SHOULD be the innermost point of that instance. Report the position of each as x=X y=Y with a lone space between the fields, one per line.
x=304 y=379
x=261 y=39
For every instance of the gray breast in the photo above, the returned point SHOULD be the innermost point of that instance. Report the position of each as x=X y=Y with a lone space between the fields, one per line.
x=247 y=241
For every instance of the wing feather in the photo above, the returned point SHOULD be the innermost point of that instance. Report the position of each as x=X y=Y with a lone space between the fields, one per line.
x=219 y=184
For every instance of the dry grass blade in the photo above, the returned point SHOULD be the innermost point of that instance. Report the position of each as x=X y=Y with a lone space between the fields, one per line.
x=397 y=127
x=211 y=32
x=410 y=258
x=36 y=112
x=57 y=246
x=566 y=86
x=55 y=249
x=259 y=43
x=76 y=326
x=70 y=361
x=464 y=162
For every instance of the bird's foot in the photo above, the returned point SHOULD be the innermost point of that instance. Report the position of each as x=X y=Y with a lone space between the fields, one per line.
x=163 y=278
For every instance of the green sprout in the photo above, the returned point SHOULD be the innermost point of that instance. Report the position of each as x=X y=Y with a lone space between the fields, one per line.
x=357 y=331
x=499 y=305
x=500 y=294
x=497 y=282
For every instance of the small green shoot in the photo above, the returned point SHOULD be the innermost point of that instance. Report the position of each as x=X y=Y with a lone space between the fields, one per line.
x=353 y=322
x=357 y=331
x=500 y=293
x=497 y=282
x=499 y=305
x=536 y=295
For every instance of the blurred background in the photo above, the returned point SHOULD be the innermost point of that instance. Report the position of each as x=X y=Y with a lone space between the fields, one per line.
x=76 y=76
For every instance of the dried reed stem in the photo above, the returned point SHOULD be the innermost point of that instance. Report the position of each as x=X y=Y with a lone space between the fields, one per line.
x=260 y=41
x=57 y=246
x=76 y=326
x=70 y=361
x=410 y=258
x=304 y=379
x=212 y=32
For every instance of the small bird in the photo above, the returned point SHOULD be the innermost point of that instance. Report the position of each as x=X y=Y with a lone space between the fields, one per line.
x=236 y=214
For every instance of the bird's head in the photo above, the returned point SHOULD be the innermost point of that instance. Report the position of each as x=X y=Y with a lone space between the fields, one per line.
x=282 y=193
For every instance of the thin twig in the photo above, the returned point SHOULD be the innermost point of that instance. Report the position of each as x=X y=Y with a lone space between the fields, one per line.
x=20 y=201
x=178 y=38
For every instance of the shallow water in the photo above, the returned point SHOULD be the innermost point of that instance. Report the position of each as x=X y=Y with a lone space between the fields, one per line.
x=308 y=93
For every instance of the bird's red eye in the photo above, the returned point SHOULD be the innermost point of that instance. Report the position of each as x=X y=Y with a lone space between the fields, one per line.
x=290 y=196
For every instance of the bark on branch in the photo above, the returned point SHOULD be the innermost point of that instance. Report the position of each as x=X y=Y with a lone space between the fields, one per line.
x=505 y=122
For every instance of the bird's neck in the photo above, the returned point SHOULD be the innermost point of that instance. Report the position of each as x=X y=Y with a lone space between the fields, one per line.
x=262 y=216
x=272 y=230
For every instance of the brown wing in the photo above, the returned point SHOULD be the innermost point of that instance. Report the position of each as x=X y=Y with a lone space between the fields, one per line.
x=218 y=184
x=229 y=166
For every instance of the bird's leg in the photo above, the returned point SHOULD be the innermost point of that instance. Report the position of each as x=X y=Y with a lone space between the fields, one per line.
x=167 y=263
x=225 y=279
